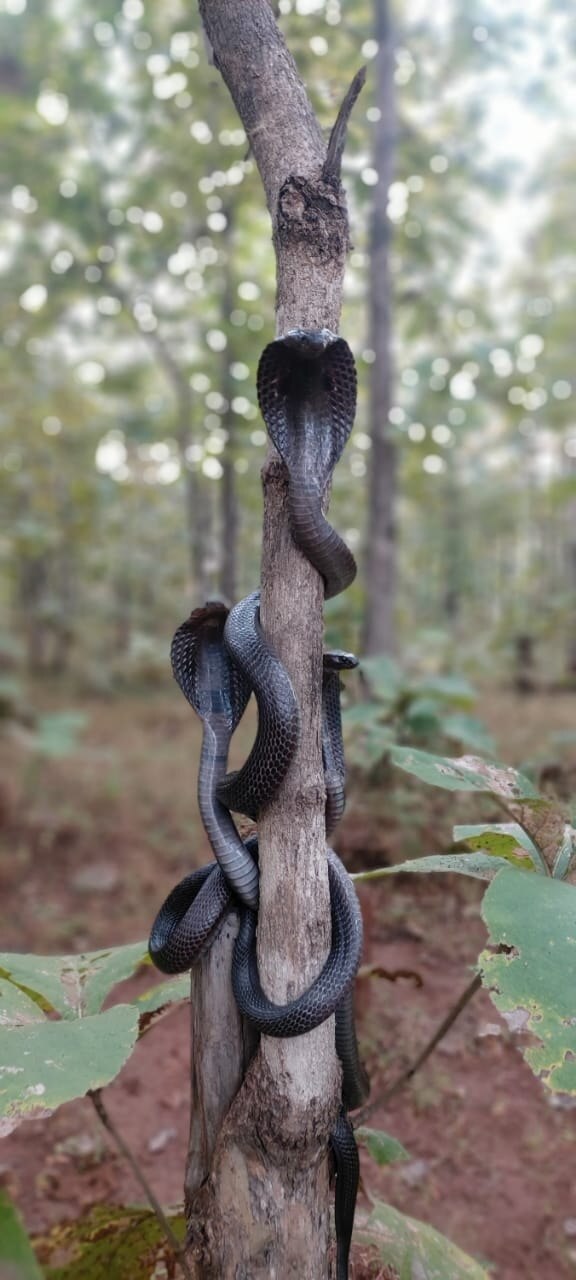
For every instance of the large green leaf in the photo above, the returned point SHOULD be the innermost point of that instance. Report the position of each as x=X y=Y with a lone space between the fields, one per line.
x=466 y=773
x=481 y=866
x=51 y=1062
x=534 y=979
x=73 y=986
x=415 y=1250
x=17 y=1260
x=109 y=1244
x=46 y=1061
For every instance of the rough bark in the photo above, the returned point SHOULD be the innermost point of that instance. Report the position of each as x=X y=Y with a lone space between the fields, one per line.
x=378 y=633
x=264 y=1208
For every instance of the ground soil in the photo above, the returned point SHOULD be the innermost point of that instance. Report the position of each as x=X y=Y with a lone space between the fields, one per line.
x=492 y=1155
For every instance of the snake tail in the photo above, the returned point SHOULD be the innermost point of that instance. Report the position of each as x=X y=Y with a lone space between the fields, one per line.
x=347 y=1170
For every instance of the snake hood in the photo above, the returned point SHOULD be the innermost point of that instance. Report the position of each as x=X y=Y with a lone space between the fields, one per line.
x=307 y=396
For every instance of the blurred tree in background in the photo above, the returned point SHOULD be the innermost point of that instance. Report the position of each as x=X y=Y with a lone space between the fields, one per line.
x=137 y=293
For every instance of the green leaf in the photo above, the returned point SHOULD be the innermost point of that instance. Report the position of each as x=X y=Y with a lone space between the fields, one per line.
x=56 y=733
x=17 y=1008
x=454 y=689
x=109 y=1243
x=73 y=986
x=17 y=1258
x=415 y=1250
x=481 y=866
x=49 y=1063
x=505 y=840
x=423 y=716
x=468 y=730
x=565 y=854
x=166 y=993
x=466 y=773
x=382 y=1148
x=384 y=677
x=535 y=978
x=363 y=715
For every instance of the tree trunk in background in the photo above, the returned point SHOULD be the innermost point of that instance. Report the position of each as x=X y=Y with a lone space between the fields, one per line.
x=378 y=632
x=570 y=577
x=198 y=522
x=229 y=515
x=31 y=588
x=257 y=1199
x=197 y=499
x=452 y=534
x=198 y=502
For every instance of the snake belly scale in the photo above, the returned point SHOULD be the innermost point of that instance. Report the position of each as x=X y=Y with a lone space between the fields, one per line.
x=307 y=395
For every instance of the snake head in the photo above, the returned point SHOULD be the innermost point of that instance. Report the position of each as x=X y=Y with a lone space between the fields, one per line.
x=307 y=395
x=339 y=660
x=202 y=666
x=309 y=343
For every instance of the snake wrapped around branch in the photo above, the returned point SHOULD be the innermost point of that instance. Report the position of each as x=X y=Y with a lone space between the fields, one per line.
x=307 y=395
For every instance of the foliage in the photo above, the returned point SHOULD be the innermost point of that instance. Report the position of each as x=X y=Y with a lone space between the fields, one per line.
x=425 y=710
x=529 y=969
x=16 y=1254
x=57 y=1042
x=529 y=907
x=126 y=1242
x=415 y=1249
x=383 y=1149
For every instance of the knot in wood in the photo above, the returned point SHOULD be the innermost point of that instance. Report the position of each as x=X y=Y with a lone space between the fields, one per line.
x=313 y=212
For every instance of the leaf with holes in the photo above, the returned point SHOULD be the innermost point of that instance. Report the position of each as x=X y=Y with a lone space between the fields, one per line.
x=533 y=980
x=414 y=1250
x=109 y=1244
x=466 y=773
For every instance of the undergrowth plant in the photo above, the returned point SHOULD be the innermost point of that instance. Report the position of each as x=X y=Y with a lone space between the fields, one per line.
x=397 y=709
x=57 y=1042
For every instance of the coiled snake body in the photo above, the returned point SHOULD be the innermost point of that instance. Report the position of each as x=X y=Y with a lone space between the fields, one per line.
x=307 y=392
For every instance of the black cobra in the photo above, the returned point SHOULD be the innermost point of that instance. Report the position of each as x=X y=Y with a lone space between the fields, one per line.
x=306 y=388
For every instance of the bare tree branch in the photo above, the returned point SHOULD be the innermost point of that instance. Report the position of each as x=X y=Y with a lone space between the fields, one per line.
x=337 y=141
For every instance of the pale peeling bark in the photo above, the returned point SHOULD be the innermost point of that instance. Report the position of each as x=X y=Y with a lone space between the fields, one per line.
x=264 y=1209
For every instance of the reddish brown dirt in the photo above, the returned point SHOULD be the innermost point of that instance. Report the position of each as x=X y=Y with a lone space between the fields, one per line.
x=492 y=1163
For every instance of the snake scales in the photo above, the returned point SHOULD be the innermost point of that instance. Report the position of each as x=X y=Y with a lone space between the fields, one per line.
x=307 y=395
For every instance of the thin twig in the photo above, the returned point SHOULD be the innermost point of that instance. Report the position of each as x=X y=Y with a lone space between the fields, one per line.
x=337 y=141
x=103 y=1115
x=415 y=1066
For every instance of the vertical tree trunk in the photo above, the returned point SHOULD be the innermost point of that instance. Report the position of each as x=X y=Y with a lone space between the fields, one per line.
x=570 y=578
x=378 y=633
x=263 y=1210
x=229 y=517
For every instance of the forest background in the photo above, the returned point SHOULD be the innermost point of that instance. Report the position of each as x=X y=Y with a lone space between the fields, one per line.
x=137 y=293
